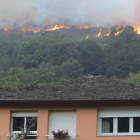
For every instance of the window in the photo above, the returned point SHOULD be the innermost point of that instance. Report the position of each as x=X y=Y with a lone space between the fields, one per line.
x=123 y=125
x=107 y=125
x=62 y=120
x=136 y=124
x=24 y=121
x=119 y=121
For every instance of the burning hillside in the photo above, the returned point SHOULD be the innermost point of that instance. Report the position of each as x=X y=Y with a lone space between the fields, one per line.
x=85 y=30
x=52 y=28
x=38 y=16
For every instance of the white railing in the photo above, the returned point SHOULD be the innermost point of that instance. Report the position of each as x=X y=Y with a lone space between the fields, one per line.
x=32 y=135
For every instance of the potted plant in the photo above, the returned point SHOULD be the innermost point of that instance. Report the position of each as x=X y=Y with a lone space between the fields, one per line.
x=18 y=136
x=14 y=136
x=60 y=135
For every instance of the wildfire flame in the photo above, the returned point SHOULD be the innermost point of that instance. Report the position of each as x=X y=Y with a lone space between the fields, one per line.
x=138 y=31
x=56 y=27
x=83 y=27
x=118 y=32
x=99 y=33
x=30 y=30
x=5 y=29
x=87 y=37
x=8 y=29
x=108 y=34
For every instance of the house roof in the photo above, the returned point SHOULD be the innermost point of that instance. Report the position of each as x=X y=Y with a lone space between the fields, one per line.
x=88 y=88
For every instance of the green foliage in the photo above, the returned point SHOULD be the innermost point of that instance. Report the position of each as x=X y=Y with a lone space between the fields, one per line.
x=48 y=38
x=13 y=77
x=31 y=59
x=72 y=69
x=60 y=52
x=29 y=54
x=91 y=55
x=50 y=77
x=17 y=77
x=123 y=54
x=134 y=77
x=43 y=68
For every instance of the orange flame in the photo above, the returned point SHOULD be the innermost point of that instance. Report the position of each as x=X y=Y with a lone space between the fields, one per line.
x=82 y=27
x=56 y=27
x=99 y=33
x=118 y=32
x=8 y=29
x=30 y=30
x=5 y=29
x=36 y=31
x=138 y=31
x=87 y=37
x=108 y=34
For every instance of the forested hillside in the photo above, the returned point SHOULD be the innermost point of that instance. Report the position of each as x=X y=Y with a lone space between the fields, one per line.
x=30 y=59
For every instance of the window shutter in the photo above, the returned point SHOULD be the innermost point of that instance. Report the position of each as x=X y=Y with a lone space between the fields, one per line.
x=119 y=112
x=62 y=120
x=24 y=114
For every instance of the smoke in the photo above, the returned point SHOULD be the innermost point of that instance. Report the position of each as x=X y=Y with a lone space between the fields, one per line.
x=17 y=13
x=27 y=13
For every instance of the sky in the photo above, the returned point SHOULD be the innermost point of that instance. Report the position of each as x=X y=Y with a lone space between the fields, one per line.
x=99 y=13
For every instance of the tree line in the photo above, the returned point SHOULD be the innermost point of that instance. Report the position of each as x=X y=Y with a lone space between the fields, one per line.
x=31 y=59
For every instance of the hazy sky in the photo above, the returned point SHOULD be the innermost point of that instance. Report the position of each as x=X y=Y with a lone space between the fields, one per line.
x=49 y=12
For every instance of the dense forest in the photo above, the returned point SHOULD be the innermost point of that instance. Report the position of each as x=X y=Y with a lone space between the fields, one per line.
x=48 y=57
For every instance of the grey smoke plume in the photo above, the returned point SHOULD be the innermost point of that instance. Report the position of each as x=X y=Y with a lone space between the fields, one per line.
x=32 y=13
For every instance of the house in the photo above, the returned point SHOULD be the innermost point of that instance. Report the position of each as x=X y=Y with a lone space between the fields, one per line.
x=91 y=108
